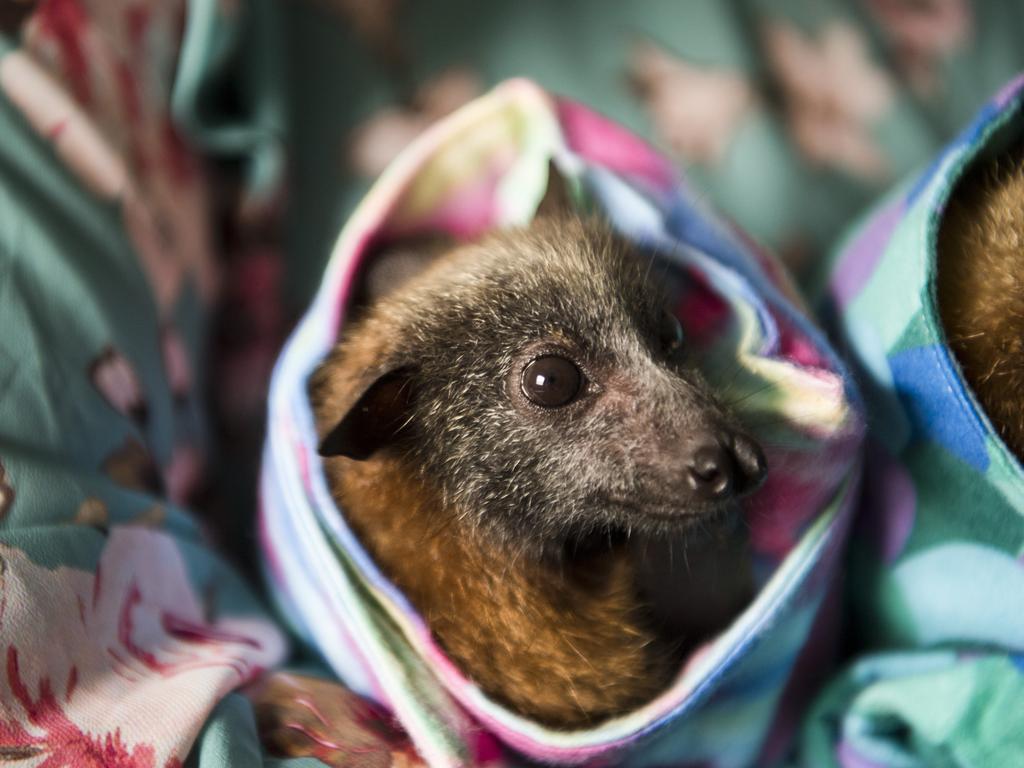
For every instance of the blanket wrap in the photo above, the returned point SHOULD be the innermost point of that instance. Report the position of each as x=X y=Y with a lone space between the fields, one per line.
x=936 y=574
x=736 y=699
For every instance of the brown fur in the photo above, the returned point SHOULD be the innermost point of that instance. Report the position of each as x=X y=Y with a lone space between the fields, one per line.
x=537 y=585
x=981 y=288
x=565 y=651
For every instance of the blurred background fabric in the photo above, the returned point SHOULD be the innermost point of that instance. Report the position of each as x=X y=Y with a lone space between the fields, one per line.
x=792 y=115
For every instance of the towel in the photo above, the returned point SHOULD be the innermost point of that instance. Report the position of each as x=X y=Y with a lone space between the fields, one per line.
x=736 y=699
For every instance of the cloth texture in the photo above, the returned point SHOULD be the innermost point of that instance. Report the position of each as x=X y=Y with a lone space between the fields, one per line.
x=485 y=167
x=121 y=629
x=936 y=578
x=125 y=632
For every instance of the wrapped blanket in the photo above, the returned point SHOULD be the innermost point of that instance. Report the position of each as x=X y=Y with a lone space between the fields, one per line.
x=736 y=699
x=937 y=579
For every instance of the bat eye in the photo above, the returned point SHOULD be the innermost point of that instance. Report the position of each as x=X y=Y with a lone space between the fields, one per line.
x=670 y=334
x=551 y=381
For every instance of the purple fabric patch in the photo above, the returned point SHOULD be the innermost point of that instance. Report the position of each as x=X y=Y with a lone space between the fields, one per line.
x=1009 y=91
x=859 y=261
x=849 y=757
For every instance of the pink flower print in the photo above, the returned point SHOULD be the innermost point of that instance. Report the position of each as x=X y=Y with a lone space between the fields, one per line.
x=183 y=474
x=375 y=143
x=6 y=493
x=922 y=33
x=834 y=95
x=62 y=743
x=695 y=110
x=176 y=363
x=55 y=116
x=118 y=668
x=92 y=77
x=116 y=380
x=83 y=148
x=65 y=23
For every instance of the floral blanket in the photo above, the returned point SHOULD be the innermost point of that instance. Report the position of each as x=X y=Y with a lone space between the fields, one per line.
x=122 y=633
x=734 y=701
x=125 y=632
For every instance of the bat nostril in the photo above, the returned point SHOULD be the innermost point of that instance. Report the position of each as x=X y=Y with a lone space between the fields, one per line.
x=750 y=463
x=723 y=466
x=710 y=471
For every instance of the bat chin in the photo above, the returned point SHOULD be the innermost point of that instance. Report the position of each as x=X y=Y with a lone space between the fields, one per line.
x=608 y=522
x=659 y=515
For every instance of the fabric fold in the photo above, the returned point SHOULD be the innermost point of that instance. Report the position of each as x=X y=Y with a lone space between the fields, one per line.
x=936 y=581
x=484 y=167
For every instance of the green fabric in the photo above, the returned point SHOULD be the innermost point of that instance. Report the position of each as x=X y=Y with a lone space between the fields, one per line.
x=935 y=579
x=94 y=423
x=227 y=93
x=930 y=710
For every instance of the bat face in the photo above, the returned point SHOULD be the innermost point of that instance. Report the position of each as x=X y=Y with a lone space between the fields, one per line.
x=537 y=378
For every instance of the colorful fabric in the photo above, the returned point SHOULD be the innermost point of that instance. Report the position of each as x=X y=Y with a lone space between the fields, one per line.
x=123 y=635
x=791 y=116
x=937 y=581
x=735 y=700
x=120 y=630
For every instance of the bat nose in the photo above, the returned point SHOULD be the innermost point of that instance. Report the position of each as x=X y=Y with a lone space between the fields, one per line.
x=749 y=460
x=725 y=465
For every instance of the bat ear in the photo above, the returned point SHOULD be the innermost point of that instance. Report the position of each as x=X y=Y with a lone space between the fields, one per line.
x=378 y=416
x=557 y=200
